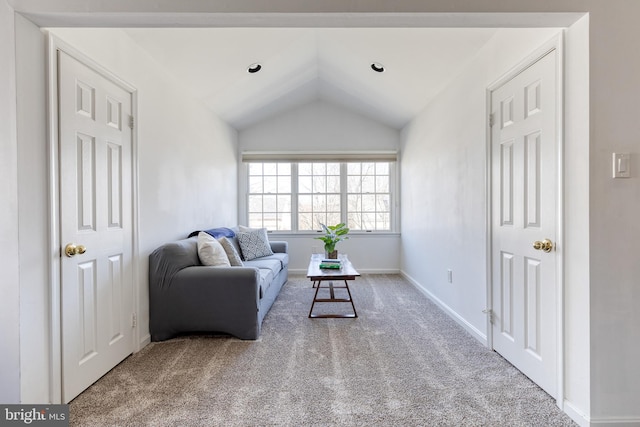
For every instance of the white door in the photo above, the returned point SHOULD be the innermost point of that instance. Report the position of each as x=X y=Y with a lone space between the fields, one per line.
x=96 y=213
x=524 y=191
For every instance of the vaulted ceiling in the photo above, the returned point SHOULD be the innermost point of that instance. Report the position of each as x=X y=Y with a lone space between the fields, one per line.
x=300 y=65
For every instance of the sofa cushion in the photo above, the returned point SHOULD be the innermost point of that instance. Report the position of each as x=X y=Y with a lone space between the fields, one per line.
x=232 y=254
x=274 y=265
x=282 y=258
x=211 y=251
x=254 y=244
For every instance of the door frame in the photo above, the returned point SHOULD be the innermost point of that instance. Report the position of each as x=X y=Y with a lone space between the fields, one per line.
x=55 y=44
x=554 y=44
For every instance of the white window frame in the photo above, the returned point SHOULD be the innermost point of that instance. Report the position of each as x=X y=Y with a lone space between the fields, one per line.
x=298 y=157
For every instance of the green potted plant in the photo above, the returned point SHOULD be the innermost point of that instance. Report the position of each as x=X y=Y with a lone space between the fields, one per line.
x=332 y=235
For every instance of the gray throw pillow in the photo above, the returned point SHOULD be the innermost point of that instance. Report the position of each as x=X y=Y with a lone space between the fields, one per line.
x=254 y=244
x=232 y=254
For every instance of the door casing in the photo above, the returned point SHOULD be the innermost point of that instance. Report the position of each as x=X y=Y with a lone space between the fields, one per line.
x=556 y=43
x=55 y=245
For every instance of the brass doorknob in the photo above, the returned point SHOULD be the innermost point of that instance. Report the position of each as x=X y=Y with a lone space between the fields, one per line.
x=546 y=245
x=72 y=249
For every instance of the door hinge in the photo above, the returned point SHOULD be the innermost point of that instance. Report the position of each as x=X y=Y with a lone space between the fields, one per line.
x=131 y=122
x=134 y=320
x=489 y=313
x=491 y=119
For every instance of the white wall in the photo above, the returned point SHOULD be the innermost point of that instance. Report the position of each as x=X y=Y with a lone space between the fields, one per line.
x=33 y=210
x=323 y=126
x=186 y=163
x=318 y=126
x=9 y=283
x=614 y=213
x=443 y=181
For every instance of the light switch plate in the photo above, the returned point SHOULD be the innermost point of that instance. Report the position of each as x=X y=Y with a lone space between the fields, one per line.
x=621 y=165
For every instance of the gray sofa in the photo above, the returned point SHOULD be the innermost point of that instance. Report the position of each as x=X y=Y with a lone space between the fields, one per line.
x=185 y=296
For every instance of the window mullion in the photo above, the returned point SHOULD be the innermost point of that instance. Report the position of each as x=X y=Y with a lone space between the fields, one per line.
x=294 y=196
x=343 y=193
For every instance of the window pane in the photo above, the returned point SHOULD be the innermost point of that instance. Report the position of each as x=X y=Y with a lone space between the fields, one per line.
x=319 y=218
x=382 y=184
x=368 y=203
x=269 y=194
x=284 y=203
x=354 y=222
x=333 y=184
x=319 y=184
x=269 y=204
x=382 y=203
x=305 y=221
x=333 y=203
x=333 y=169
x=284 y=184
x=304 y=184
x=368 y=169
x=354 y=184
x=354 y=202
x=304 y=203
x=368 y=221
x=368 y=184
x=319 y=203
x=270 y=184
x=333 y=218
x=255 y=184
x=255 y=168
x=255 y=220
x=284 y=221
x=319 y=168
x=383 y=221
x=382 y=168
x=255 y=203
x=304 y=168
x=284 y=168
x=353 y=168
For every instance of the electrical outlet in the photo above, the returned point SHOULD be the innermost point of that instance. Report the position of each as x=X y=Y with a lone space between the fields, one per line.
x=450 y=276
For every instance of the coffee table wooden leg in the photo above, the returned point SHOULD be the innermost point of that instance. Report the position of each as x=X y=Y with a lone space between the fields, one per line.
x=315 y=297
x=332 y=298
x=350 y=298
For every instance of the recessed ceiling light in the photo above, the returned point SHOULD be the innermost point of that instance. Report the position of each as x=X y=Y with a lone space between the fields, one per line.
x=254 y=68
x=377 y=67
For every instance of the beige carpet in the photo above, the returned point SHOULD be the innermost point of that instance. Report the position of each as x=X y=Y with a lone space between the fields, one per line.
x=402 y=362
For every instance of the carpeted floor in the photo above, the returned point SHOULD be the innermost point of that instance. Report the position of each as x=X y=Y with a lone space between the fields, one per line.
x=402 y=362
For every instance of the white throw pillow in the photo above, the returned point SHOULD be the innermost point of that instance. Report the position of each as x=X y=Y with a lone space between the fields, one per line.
x=211 y=251
x=254 y=244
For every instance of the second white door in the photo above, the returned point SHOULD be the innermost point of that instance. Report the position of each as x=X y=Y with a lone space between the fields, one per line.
x=524 y=193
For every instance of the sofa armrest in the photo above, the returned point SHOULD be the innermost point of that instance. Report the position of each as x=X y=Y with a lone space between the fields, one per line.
x=202 y=298
x=279 y=246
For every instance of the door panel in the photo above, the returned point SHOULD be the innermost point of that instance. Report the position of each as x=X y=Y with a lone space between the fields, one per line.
x=524 y=194
x=95 y=211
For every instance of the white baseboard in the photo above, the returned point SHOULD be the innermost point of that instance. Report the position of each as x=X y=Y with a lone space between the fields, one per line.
x=614 y=422
x=575 y=414
x=146 y=340
x=475 y=332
